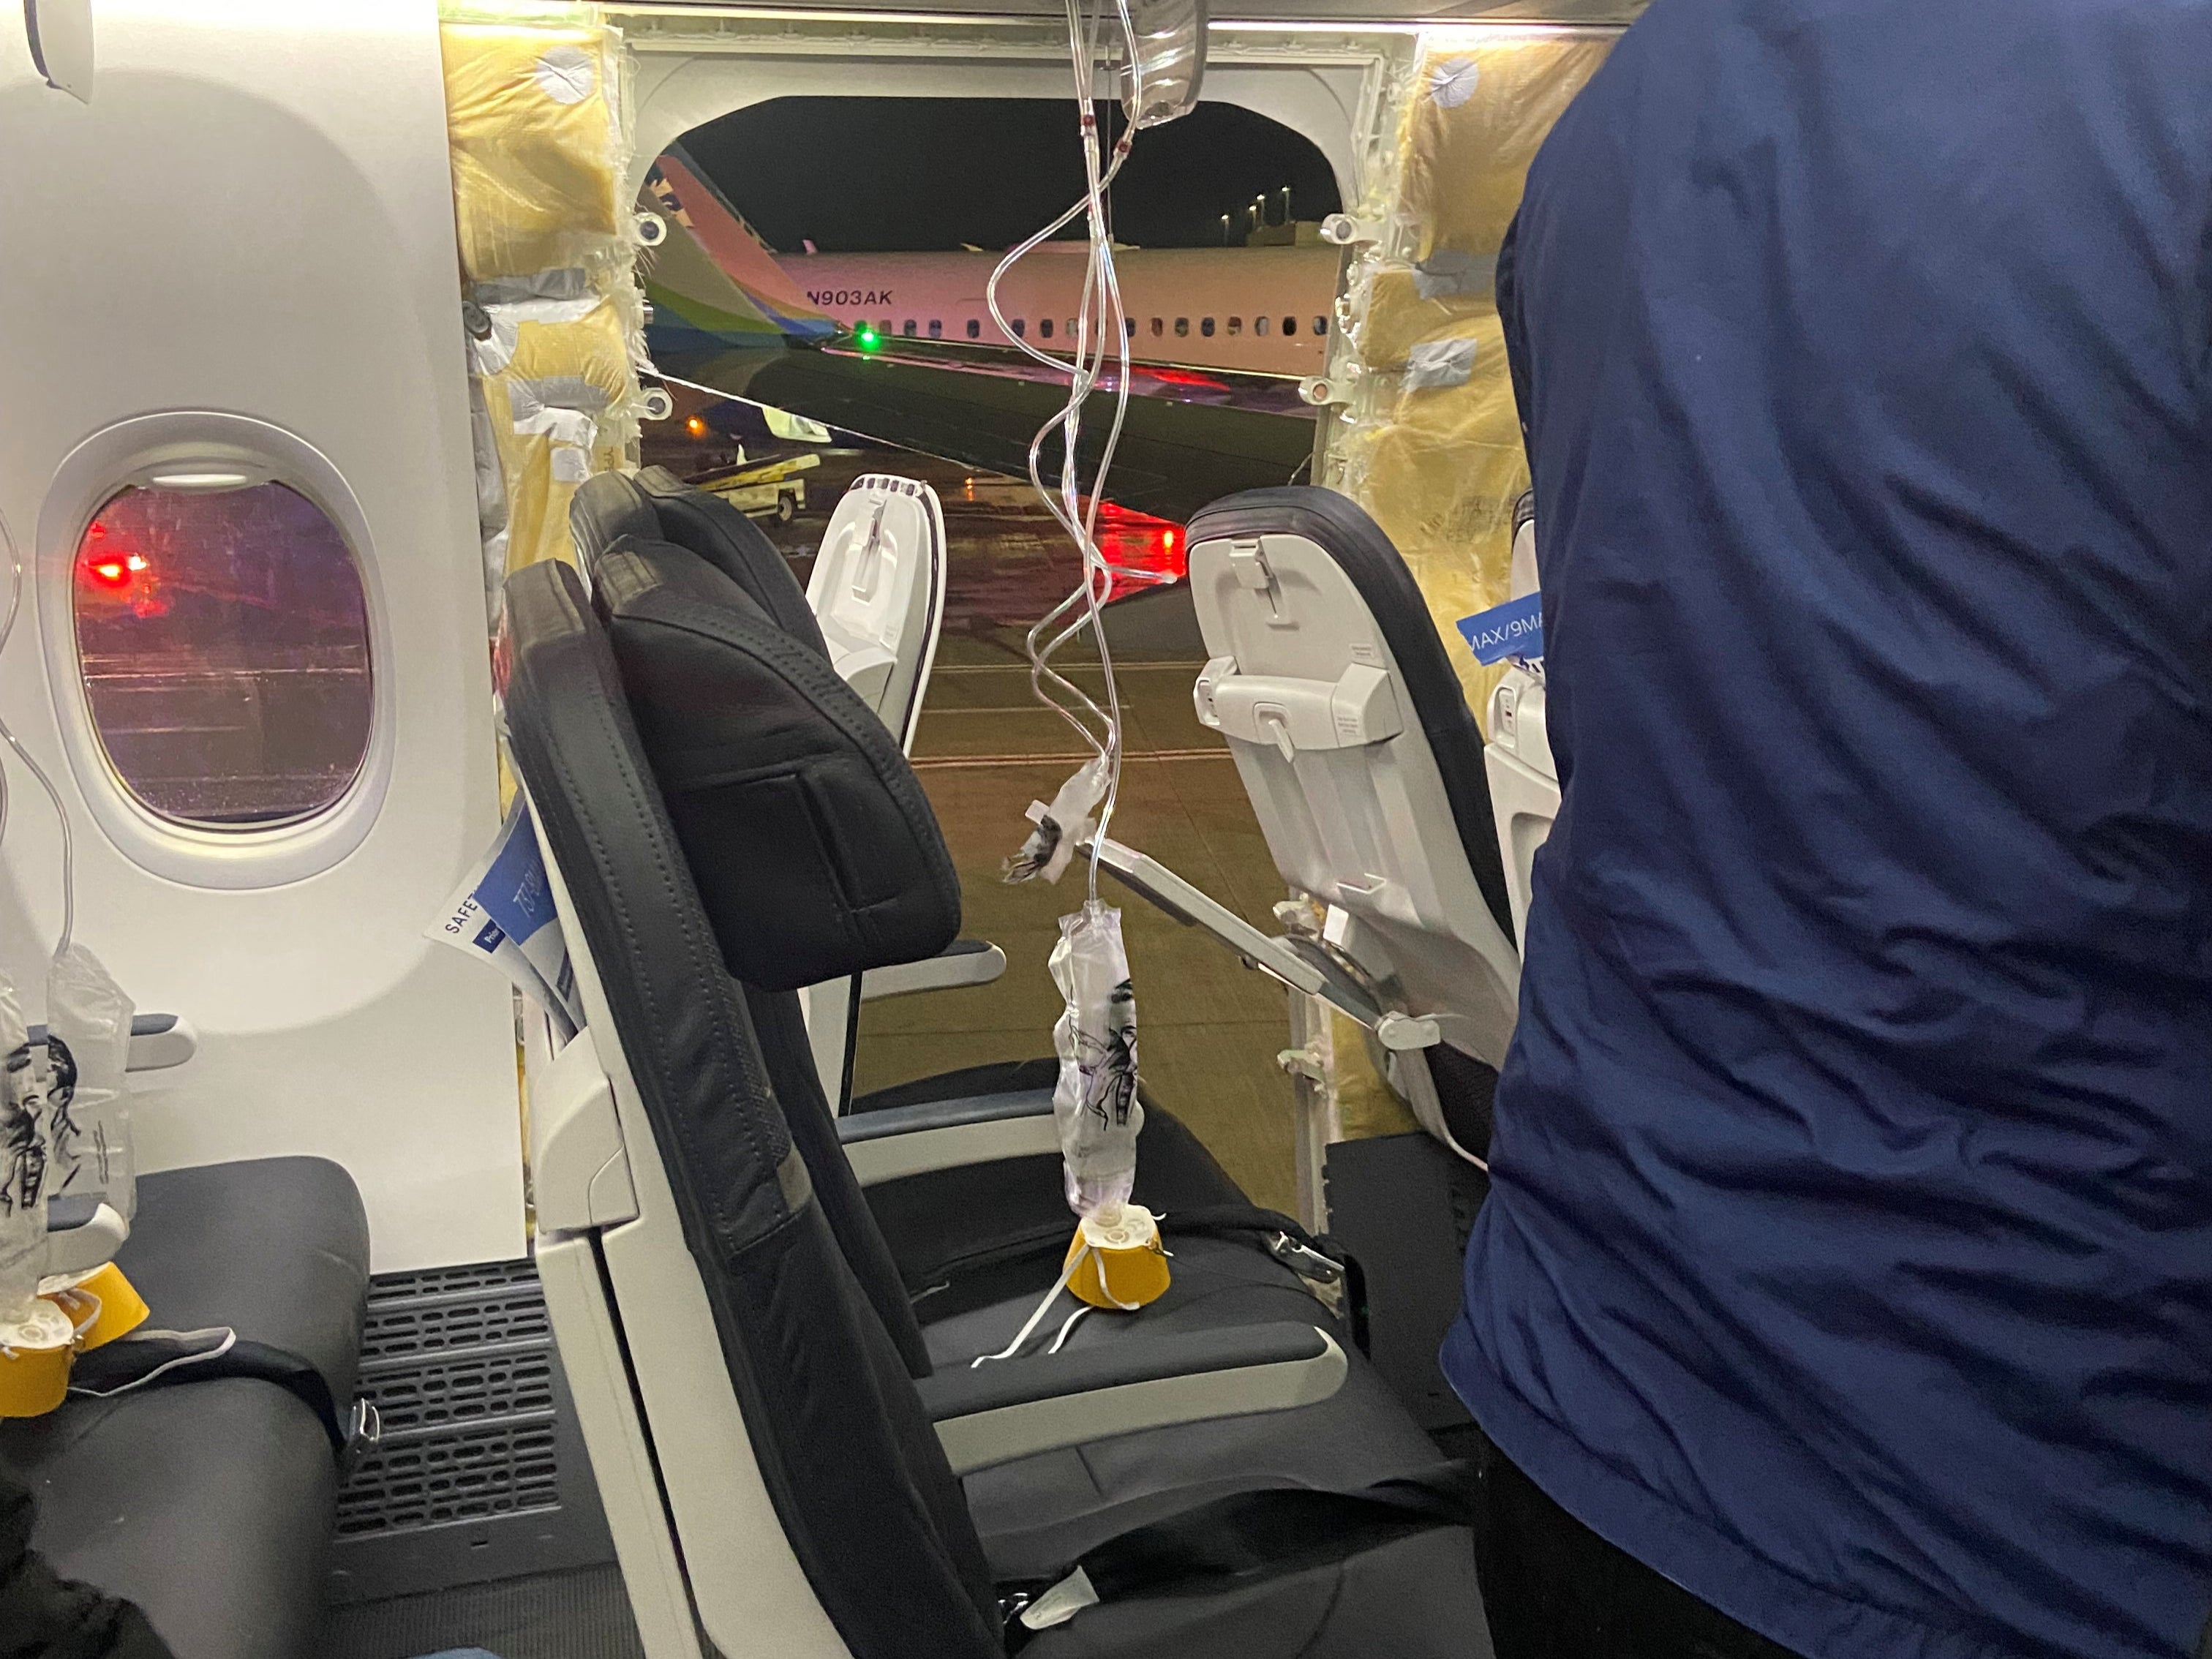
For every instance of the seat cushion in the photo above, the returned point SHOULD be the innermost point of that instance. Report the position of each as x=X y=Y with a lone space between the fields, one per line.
x=1412 y=1596
x=275 y=1247
x=1037 y=1514
x=968 y=1238
x=210 y=1504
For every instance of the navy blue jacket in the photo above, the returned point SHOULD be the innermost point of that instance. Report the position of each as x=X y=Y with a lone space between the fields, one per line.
x=1850 y=1257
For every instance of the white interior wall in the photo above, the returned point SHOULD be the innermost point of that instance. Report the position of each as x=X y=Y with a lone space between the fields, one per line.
x=252 y=215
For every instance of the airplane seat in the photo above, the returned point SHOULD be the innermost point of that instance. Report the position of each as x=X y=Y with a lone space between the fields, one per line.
x=776 y=1477
x=208 y=1495
x=1366 y=769
x=877 y=588
x=1524 y=779
x=770 y=762
x=883 y=613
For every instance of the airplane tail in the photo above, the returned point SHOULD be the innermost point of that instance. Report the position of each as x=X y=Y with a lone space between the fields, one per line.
x=713 y=276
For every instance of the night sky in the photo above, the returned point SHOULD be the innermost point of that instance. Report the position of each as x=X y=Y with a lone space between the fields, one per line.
x=896 y=175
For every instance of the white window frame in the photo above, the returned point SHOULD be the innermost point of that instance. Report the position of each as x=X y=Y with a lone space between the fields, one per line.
x=137 y=452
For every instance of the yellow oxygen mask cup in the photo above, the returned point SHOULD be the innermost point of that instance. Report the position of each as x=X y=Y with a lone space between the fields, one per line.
x=1125 y=1267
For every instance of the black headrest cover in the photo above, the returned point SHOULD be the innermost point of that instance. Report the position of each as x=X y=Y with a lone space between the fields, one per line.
x=702 y=521
x=607 y=506
x=814 y=850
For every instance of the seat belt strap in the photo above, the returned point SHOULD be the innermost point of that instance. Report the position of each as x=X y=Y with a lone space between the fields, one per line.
x=1252 y=1535
x=153 y=1359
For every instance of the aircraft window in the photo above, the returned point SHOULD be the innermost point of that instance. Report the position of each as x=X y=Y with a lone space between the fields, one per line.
x=1130 y=325
x=222 y=635
x=1044 y=328
x=1071 y=328
x=909 y=329
x=1260 y=324
x=1289 y=325
x=1321 y=325
x=937 y=328
x=1182 y=327
x=1021 y=327
x=1205 y=326
x=1236 y=325
x=1159 y=327
x=975 y=328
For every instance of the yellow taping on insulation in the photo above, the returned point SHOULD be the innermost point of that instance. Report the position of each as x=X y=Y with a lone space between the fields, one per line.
x=1478 y=115
x=530 y=115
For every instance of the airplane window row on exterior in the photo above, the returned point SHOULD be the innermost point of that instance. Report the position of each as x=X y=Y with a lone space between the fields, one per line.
x=1260 y=325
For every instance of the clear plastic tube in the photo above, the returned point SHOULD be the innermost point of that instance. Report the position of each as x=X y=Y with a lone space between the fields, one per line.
x=1100 y=318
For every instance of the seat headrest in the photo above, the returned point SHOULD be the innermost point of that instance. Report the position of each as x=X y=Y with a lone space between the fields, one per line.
x=607 y=506
x=708 y=525
x=815 y=852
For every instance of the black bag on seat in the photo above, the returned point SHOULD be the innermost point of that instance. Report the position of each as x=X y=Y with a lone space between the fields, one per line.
x=756 y=743
x=656 y=505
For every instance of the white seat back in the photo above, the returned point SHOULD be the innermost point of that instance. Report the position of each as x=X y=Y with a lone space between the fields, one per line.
x=1524 y=786
x=877 y=590
x=1330 y=740
x=1524 y=782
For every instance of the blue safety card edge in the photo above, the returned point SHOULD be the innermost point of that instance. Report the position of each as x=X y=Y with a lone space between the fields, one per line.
x=1515 y=629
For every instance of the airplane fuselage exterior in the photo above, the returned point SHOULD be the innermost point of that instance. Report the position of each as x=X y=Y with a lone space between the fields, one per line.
x=1260 y=310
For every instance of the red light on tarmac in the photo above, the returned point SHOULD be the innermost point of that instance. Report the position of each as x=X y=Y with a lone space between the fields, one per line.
x=111 y=572
x=1138 y=542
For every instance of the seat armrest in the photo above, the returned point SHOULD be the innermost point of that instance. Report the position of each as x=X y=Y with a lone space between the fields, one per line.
x=965 y=961
x=1295 y=963
x=157 y=1041
x=948 y=1134
x=82 y=1233
x=995 y=1413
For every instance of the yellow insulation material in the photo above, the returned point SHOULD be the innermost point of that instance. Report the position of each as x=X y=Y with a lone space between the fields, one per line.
x=1397 y=317
x=593 y=348
x=541 y=469
x=1479 y=113
x=551 y=423
x=532 y=117
x=1440 y=478
x=1440 y=465
x=1367 y=1107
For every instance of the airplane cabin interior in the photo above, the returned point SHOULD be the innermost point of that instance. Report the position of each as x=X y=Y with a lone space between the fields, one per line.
x=456 y=856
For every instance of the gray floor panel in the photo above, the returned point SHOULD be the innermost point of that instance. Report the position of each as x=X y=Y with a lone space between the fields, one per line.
x=566 y=1615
